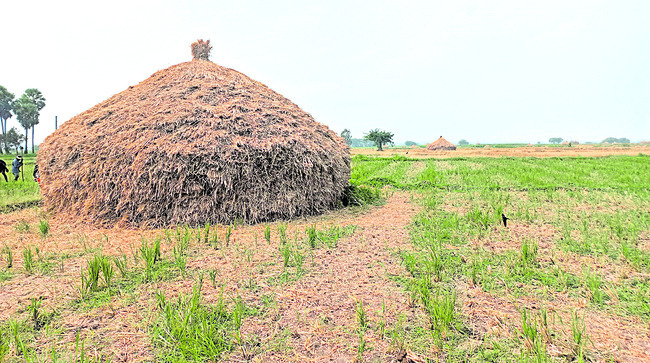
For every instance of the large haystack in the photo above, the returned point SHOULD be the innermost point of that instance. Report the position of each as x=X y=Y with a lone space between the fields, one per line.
x=193 y=143
x=441 y=144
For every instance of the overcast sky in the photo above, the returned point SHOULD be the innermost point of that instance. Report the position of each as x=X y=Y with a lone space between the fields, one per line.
x=484 y=71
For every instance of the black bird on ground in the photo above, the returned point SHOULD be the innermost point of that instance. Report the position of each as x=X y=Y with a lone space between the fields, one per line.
x=505 y=220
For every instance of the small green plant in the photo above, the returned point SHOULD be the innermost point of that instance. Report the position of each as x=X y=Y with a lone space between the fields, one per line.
x=529 y=328
x=382 y=321
x=291 y=256
x=121 y=263
x=44 y=227
x=90 y=277
x=107 y=270
x=529 y=254
x=9 y=256
x=362 y=317
x=578 y=333
x=21 y=226
x=16 y=329
x=150 y=255
x=312 y=236
x=267 y=233
x=28 y=259
x=361 y=348
x=593 y=282
x=330 y=236
x=477 y=216
x=213 y=277
x=228 y=233
x=180 y=259
x=440 y=310
x=282 y=232
x=34 y=312
x=475 y=273
x=286 y=255
x=397 y=338
x=94 y=269
x=206 y=233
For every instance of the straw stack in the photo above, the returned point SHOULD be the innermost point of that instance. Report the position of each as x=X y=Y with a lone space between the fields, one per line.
x=193 y=143
x=441 y=144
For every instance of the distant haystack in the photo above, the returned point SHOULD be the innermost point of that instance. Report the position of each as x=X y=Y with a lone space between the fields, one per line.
x=529 y=145
x=566 y=143
x=574 y=142
x=414 y=147
x=193 y=143
x=487 y=146
x=441 y=144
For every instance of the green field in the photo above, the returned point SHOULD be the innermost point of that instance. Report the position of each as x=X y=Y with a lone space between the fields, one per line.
x=597 y=207
x=16 y=194
x=567 y=280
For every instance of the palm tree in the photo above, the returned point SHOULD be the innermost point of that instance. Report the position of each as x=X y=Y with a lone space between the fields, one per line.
x=6 y=99
x=26 y=113
x=39 y=101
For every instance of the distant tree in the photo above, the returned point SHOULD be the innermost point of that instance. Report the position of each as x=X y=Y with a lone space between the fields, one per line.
x=379 y=137
x=6 y=99
x=26 y=113
x=463 y=142
x=361 y=143
x=555 y=140
x=622 y=140
x=37 y=98
x=12 y=139
x=410 y=143
x=347 y=136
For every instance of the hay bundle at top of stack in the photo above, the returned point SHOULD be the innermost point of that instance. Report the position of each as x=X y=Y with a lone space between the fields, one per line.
x=441 y=144
x=193 y=143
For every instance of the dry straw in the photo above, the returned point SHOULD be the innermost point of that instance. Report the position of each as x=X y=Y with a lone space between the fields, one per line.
x=441 y=144
x=201 y=49
x=193 y=143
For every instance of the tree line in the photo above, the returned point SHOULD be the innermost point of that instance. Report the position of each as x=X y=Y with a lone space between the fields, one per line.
x=27 y=110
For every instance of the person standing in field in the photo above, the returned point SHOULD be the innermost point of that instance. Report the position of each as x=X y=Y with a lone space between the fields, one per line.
x=36 y=175
x=4 y=170
x=16 y=165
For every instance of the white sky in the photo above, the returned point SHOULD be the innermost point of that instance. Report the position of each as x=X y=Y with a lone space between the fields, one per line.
x=484 y=71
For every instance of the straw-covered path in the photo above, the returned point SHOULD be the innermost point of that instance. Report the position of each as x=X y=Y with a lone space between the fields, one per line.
x=316 y=316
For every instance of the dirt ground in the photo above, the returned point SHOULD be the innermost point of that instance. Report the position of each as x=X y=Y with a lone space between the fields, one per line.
x=532 y=151
x=311 y=318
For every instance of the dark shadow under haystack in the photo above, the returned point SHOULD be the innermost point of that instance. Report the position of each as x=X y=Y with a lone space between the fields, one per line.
x=441 y=144
x=194 y=143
